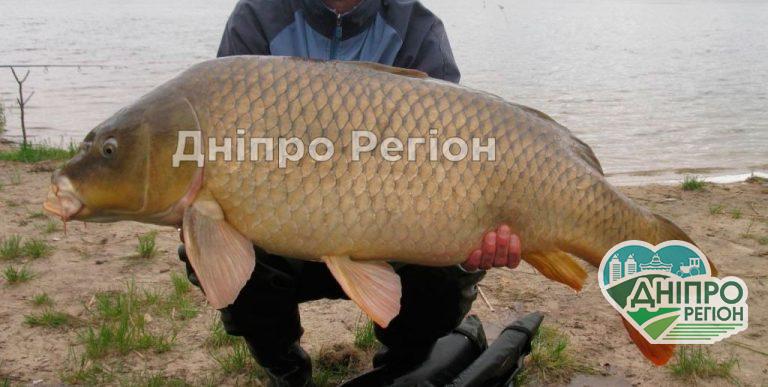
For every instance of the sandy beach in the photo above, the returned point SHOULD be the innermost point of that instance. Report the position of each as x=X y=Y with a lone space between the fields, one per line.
x=729 y=222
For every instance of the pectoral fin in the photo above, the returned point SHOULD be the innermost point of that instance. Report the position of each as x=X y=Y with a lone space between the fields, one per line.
x=373 y=286
x=223 y=258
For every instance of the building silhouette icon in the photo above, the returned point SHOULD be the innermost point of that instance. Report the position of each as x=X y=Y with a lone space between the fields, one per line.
x=614 y=267
x=630 y=265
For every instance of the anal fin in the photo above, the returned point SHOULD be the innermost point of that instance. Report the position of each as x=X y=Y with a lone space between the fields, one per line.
x=223 y=259
x=372 y=285
x=559 y=266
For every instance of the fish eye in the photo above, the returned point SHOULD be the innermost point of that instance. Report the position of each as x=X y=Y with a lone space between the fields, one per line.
x=109 y=148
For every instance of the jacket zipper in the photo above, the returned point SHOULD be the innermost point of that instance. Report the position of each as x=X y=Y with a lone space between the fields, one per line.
x=336 y=37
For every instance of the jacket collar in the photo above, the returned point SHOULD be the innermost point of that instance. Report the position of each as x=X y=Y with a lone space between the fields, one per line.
x=324 y=20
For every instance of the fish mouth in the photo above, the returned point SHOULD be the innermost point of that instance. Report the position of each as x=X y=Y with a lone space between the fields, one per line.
x=62 y=201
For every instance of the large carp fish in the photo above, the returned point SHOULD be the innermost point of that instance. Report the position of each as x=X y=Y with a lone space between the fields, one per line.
x=353 y=213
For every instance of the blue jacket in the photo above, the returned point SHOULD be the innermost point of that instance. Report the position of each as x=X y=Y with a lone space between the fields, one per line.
x=400 y=33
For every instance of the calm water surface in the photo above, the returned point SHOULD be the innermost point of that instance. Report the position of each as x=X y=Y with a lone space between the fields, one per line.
x=657 y=88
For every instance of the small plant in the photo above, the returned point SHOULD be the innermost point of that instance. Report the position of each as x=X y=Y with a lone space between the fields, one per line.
x=51 y=226
x=181 y=285
x=551 y=360
x=16 y=276
x=82 y=370
x=219 y=337
x=42 y=299
x=37 y=215
x=37 y=248
x=237 y=359
x=694 y=362
x=763 y=240
x=736 y=213
x=716 y=209
x=147 y=245
x=334 y=364
x=365 y=337
x=177 y=303
x=121 y=326
x=10 y=247
x=693 y=183
x=154 y=380
x=48 y=319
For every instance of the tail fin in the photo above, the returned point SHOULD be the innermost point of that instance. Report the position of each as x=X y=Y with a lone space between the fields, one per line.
x=561 y=267
x=659 y=354
x=669 y=231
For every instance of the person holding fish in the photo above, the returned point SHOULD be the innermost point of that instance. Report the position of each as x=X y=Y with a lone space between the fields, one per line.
x=434 y=299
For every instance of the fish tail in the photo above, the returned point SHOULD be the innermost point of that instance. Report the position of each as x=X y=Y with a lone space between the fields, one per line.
x=560 y=266
x=658 y=354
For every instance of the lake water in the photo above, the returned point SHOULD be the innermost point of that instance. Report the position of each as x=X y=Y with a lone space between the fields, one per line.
x=657 y=88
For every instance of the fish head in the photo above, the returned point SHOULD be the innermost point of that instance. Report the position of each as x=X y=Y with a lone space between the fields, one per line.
x=123 y=169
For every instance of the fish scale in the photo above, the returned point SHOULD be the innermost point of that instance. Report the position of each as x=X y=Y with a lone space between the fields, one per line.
x=428 y=212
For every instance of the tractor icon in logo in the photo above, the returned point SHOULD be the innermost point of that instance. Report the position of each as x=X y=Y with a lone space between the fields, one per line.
x=693 y=268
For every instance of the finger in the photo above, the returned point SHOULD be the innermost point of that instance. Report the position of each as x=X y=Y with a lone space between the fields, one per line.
x=502 y=247
x=489 y=250
x=514 y=251
x=473 y=262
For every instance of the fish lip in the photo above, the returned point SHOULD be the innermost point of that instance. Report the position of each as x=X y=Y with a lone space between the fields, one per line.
x=62 y=201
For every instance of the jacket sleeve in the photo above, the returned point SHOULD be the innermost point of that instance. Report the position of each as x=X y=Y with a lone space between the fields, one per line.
x=435 y=56
x=243 y=34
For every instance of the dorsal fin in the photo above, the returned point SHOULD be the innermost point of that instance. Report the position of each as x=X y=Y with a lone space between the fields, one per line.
x=585 y=152
x=392 y=70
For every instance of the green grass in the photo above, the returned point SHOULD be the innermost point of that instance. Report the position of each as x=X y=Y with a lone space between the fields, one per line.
x=695 y=362
x=10 y=247
x=693 y=183
x=716 y=209
x=335 y=364
x=48 y=319
x=129 y=321
x=237 y=360
x=153 y=380
x=178 y=304
x=219 y=337
x=365 y=337
x=736 y=213
x=37 y=215
x=551 y=360
x=38 y=152
x=147 y=245
x=15 y=276
x=121 y=326
x=763 y=240
x=37 y=248
x=51 y=226
x=84 y=371
x=42 y=299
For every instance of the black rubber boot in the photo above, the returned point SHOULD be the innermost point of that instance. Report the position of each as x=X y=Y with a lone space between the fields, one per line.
x=433 y=365
x=292 y=368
